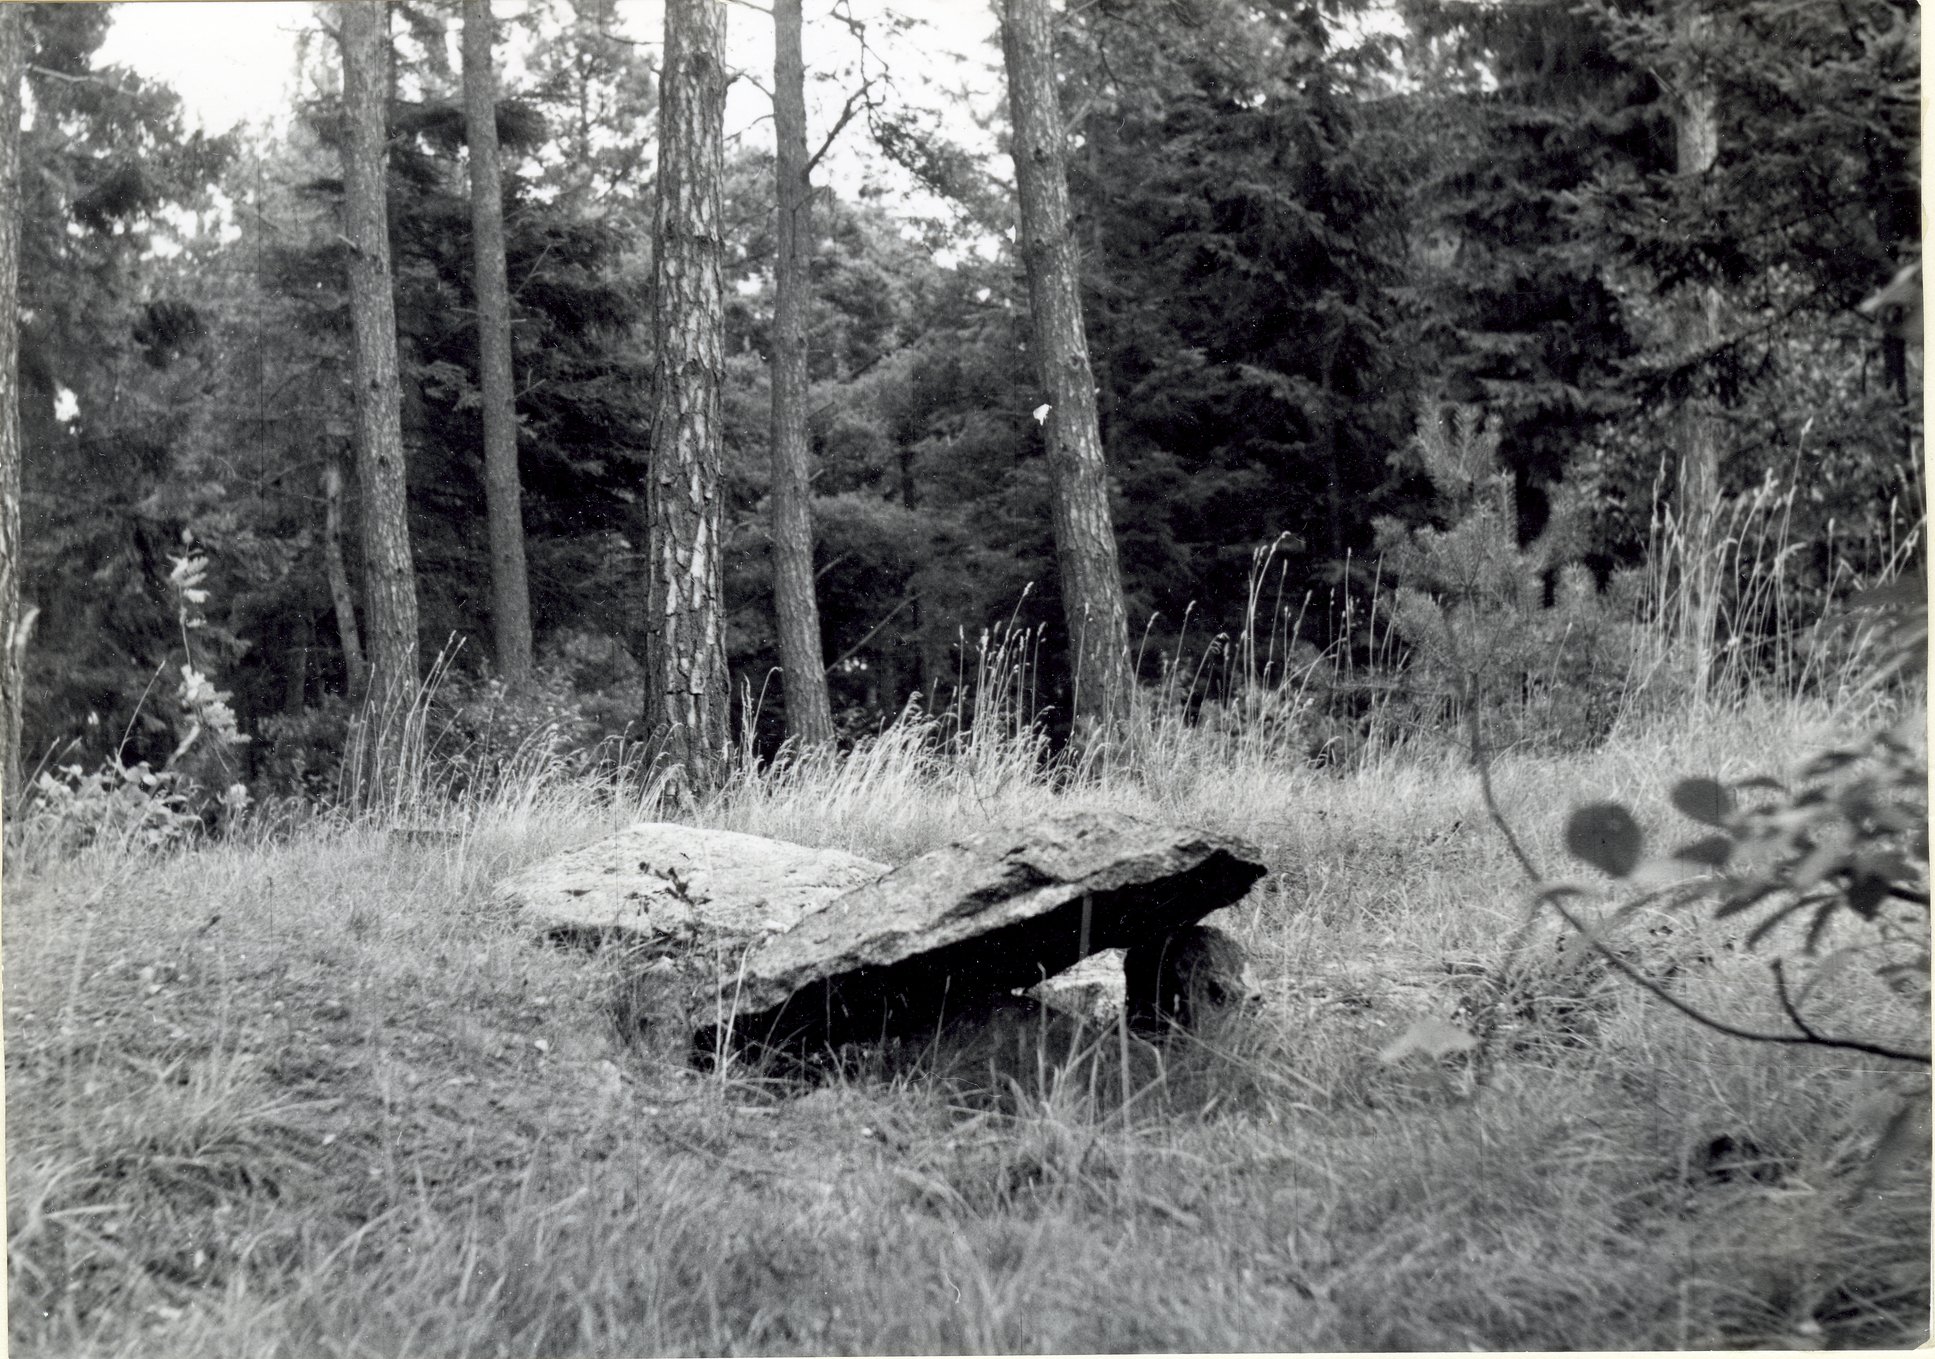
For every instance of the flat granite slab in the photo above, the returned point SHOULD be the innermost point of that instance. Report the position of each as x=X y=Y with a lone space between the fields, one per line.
x=679 y=888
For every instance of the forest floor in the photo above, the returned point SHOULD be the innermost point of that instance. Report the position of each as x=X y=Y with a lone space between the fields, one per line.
x=314 y=1095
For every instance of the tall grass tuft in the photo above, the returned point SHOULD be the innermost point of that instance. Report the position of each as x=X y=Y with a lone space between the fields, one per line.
x=1777 y=624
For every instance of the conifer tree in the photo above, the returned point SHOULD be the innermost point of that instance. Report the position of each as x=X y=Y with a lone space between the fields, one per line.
x=12 y=67
x=809 y=715
x=1084 y=530
x=687 y=693
x=389 y=577
x=503 y=490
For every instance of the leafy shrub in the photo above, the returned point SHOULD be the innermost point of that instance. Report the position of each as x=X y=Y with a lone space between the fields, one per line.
x=1473 y=607
x=1845 y=845
x=138 y=805
x=1832 y=870
x=134 y=805
x=301 y=754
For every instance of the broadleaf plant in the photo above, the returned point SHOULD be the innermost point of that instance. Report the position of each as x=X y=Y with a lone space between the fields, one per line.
x=1841 y=853
x=1606 y=836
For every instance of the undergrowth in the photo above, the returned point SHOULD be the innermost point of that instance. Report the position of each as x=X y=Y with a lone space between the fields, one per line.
x=308 y=1088
x=311 y=1092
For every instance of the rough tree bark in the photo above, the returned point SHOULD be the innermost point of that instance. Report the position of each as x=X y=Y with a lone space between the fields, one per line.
x=503 y=494
x=1698 y=319
x=13 y=45
x=337 y=571
x=809 y=713
x=687 y=694
x=295 y=691
x=389 y=578
x=1084 y=533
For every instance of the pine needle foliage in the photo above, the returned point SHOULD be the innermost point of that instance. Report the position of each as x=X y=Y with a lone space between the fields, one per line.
x=1523 y=630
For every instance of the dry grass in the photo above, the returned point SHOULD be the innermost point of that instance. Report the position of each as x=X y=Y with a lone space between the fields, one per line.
x=312 y=1095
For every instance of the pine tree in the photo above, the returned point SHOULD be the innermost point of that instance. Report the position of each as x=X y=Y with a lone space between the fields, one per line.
x=389 y=577
x=342 y=601
x=809 y=715
x=503 y=490
x=1084 y=530
x=687 y=695
x=1696 y=140
x=12 y=68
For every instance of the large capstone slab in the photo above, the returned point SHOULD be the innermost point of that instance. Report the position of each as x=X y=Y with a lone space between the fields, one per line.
x=988 y=913
x=681 y=890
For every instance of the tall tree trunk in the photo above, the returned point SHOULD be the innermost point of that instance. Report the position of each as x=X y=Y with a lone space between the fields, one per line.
x=687 y=694
x=809 y=713
x=13 y=50
x=1084 y=533
x=337 y=571
x=1697 y=147
x=1333 y=454
x=295 y=678
x=503 y=495
x=389 y=579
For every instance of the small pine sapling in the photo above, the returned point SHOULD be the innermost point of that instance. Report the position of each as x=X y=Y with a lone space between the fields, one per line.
x=1521 y=631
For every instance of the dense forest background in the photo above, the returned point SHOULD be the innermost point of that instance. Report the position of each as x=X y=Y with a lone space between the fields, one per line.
x=1324 y=259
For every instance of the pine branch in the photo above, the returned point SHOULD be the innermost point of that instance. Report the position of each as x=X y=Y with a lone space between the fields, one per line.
x=853 y=650
x=855 y=102
x=67 y=78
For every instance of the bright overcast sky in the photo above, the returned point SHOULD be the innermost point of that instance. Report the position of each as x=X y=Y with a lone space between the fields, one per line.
x=228 y=62
x=234 y=61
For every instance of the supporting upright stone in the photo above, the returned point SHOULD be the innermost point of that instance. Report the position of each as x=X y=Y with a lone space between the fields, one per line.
x=1190 y=979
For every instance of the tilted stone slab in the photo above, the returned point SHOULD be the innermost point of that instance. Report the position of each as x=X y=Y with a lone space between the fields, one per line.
x=685 y=890
x=990 y=912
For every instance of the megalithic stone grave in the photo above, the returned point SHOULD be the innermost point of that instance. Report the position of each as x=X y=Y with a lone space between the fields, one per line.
x=990 y=912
